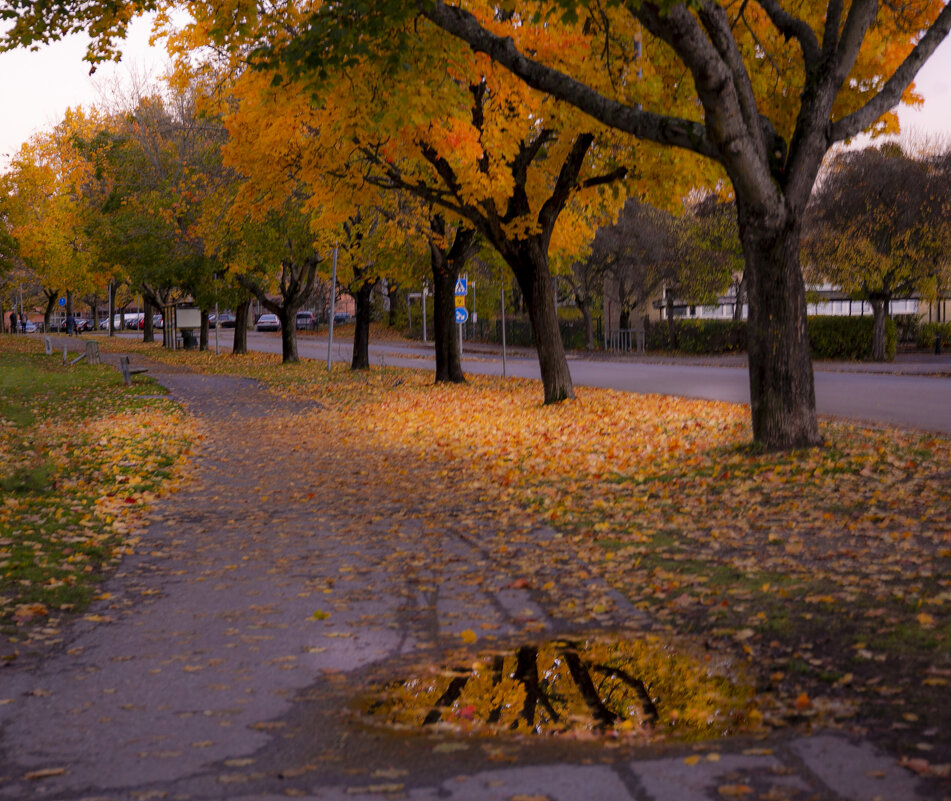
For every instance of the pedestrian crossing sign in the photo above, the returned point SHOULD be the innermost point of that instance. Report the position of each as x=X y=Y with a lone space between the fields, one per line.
x=461 y=286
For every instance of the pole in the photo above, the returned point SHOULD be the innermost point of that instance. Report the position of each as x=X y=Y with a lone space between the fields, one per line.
x=424 y=312
x=333 y=297
x=504 y=371
x=460 y=340
x=217 y=317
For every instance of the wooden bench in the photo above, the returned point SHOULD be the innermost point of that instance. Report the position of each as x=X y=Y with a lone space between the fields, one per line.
x=128 y=371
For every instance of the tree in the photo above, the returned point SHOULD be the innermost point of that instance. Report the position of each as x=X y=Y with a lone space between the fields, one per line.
x=878 y=227
x=638 y=253
x=46 y=192
x=777 y=90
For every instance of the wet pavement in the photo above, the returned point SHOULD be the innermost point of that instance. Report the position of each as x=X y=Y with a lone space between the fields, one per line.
x=229 y=654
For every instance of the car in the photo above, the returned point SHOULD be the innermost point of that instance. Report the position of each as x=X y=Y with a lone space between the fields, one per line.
x=268 y=322
x=157 y=321
x=82 y=324
x=341 y=317
x=306 y=321
x=225 y=319
x=29 y=327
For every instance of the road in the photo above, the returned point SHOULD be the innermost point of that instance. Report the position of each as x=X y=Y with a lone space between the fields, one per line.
x=908 y=394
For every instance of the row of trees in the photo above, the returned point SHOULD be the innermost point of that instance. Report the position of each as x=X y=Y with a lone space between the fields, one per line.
x=361 y=126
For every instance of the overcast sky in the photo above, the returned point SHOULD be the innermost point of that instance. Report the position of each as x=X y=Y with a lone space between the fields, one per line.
x=37 y=87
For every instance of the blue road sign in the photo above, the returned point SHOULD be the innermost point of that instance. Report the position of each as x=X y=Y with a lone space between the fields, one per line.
x=461 y=287
x=462 y=314
x=62 y=301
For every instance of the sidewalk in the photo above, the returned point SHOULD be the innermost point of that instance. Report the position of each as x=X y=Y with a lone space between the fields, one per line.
x=228 y=655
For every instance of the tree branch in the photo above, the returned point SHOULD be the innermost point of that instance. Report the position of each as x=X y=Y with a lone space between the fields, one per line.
x=793 y=28
x=891 y=93
x=645 y=125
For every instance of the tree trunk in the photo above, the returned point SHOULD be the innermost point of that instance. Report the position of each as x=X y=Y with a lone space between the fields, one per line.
x=203 y=331
x=48 y=311
x=113 y=289
x=740 y=294
x=448 y=361
x=585 y=309
x=530 y=265
x=782 y=391
x=394 y=294
x=241 y=314
x=148 y=329
x=624 y=323
x=288 y=317
x=671 y=328
x=361 y=328
x=879 y=304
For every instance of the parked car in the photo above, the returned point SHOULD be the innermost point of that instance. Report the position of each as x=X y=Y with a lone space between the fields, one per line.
x=306 y=321
x=268 y=322
x=341 y=317
x=82 y=324
x=29 y=327
x=225 y=320
x=157 y=321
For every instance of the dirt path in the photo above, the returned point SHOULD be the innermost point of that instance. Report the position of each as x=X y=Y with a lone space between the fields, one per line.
x=227 y=655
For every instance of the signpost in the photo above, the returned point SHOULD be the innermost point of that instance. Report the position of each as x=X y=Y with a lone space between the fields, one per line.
x=462 y=313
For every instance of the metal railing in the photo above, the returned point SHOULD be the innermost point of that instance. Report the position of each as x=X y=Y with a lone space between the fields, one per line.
x=624 y=340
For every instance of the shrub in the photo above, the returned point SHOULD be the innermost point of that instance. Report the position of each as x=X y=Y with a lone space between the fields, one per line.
x=909 y=327
x=698 y=336
x=929 y=331
x=848 y=338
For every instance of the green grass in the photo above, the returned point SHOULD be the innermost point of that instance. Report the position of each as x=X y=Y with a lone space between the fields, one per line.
x=63 y=433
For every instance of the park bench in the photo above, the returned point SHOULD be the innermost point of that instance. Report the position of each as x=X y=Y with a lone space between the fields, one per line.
x=128 y=371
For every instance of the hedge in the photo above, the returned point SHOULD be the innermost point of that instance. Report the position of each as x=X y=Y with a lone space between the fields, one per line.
x=929 y=331
x=698 y=336
x=848 y=338
x=845 y=338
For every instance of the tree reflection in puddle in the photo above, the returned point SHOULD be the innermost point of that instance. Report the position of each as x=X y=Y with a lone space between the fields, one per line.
x=598 y=686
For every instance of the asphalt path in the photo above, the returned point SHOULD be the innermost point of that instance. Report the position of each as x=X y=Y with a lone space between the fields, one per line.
x=915 y=393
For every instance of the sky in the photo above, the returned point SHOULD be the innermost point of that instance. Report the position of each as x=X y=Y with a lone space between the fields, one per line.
x=37 y=87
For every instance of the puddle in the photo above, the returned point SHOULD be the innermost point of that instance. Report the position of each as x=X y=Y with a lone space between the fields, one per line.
x=593 y=686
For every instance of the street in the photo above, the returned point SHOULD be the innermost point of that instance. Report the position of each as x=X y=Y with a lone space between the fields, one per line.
x=909 y=394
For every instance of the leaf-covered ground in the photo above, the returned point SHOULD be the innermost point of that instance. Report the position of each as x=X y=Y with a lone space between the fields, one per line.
x=81 y=461
x=827 y=568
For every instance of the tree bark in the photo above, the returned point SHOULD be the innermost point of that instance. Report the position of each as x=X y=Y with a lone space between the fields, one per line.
x=879 y=304
x=241 y=314
x=288 y=317
x=530 y=265
x=113 y=289
x=447 y=264
x=203 y=331
x=585 y=308
x=671 y=327
x=393 y=293
x=50 y=305
x=148 y=329
x=782 y=392
x=448 y=360
x=361 y=329
x=624 y=323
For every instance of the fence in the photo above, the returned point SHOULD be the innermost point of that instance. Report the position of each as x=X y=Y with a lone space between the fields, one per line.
x=624 y=340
